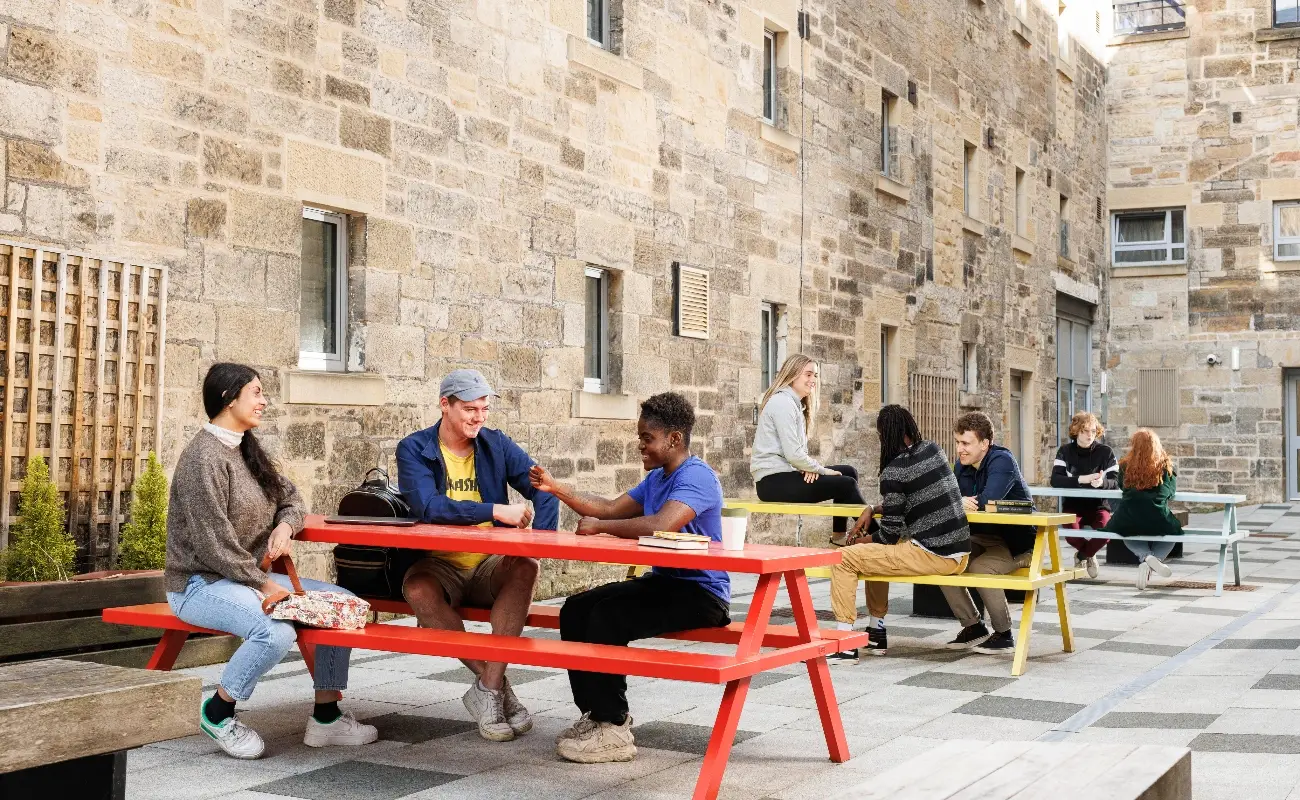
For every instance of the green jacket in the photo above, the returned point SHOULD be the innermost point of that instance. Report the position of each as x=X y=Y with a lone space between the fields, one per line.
x=1145 y=512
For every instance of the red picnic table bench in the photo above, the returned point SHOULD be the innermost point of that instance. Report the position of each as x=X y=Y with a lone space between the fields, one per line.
x=759 y=646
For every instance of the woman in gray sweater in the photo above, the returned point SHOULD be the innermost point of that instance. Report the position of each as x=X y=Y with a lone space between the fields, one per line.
x=782 y=469
x=230 y=508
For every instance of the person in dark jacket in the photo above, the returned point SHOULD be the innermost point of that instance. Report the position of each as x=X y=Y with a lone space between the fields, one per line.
x=459 y=473
x=1146 y=474
x=987 y=471
x=1086 y=463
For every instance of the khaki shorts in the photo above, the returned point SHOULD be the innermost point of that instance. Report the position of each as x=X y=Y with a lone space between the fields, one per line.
x=463 y=587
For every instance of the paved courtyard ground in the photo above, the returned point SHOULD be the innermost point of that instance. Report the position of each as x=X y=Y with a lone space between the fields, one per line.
x=1173 y=666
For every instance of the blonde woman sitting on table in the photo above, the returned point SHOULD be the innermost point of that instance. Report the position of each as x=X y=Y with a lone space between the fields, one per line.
x=782 y=469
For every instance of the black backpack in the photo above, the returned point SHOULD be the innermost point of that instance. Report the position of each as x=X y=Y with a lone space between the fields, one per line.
x=365 y=570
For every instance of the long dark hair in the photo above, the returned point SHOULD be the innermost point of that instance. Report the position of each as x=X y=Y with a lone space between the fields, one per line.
x=221 y=387
x=893 y=423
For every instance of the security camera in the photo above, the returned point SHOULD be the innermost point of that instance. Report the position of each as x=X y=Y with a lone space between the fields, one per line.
x=1212 y=359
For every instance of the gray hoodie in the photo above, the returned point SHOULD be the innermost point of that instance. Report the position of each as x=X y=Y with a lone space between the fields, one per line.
x=781 y=442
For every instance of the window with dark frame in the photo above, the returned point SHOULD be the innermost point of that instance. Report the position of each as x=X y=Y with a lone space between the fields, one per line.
x=1149 y=16
x=769 y=357
x=323 y=309
x=1065 y=249
x=887 y=347
x=1073 y=361
x=888 y=136
x=596 y=319
x=1286 y=13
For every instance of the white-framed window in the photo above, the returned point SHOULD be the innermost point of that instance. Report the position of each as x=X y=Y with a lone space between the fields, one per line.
x=769 y=75
x=969 y=155
x=323 y=307
x=596 y=374
x=1286 y=231
x=889 y=135
x=769 y=337
x=1286 y=13
x=1065 y=249
x=1022 y=203
x=888 y=353
x=969 y=367
x=598 y=28
x=1154 y=236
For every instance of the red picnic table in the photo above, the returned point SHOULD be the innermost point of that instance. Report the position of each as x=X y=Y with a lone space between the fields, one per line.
x=760 y=646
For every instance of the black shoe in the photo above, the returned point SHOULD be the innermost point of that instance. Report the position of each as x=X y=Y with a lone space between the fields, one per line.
x=877 y=641
x=843 y=657
x=997 y=643
x=971 y=634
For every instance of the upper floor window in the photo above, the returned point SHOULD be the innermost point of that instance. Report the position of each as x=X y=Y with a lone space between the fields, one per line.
x=769 y=75
x=1065 y=249
x=1286 y=231
x=889 y=136
x=969 y=156
x=323 y=311
x=1286 y=13
x=1148 y=237
x=769 y=343
x=596 y=345
x=605 y=23
x=1149 y=16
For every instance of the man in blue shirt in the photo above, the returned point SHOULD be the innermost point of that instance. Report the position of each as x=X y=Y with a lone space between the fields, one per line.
x=679 y=493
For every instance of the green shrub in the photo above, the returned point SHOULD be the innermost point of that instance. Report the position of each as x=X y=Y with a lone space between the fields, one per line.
x=40 y=548
x=144 y=538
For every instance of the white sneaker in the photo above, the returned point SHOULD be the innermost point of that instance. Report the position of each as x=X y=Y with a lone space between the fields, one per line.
x=235 y=738
x=517 y=717
x=343 y=731
x=1159 y=567
x=1144 y=575
x=600 y=743
x=575 y=730
x=1092 y=566
x=487 y=708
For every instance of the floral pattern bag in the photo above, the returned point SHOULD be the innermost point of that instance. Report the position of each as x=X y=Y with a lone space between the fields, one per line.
x=315 y=609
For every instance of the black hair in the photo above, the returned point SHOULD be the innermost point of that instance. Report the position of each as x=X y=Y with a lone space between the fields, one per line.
x=893 y=423
x=669 y=411
x=221 y=387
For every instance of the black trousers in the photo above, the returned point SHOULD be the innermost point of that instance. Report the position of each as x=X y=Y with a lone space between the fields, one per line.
x=619 y=613
x=790 y=487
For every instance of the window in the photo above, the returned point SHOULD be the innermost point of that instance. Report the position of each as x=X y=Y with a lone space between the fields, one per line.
x=597 y=331
x=598 y=23
x=769 y=76
x=1065 y=228
x=1073 y=361
x=889 y=136
x=1286 y=13
x=1063 y=36
x=968 y=179
x=969 y=367
x=1149 y=16
x=1016 y=419
x=1022 y=203
x=323 y=312
x=692 y=302
x=1286 y=231
x=1148 y=237
x=769 y=343
x=888 y=354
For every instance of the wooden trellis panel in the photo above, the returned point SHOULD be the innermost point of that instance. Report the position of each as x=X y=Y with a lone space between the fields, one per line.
x=82 y=382
x=933 y=401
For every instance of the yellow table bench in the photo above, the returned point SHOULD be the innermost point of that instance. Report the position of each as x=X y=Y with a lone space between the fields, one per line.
x=1027 y=580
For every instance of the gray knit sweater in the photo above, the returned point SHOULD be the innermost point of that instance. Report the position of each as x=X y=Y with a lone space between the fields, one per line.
x=219 y=521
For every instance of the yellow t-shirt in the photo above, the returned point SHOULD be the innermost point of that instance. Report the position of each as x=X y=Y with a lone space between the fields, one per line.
x=462 y=484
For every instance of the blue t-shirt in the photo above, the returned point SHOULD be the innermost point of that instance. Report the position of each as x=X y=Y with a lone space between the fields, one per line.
x=695 y=484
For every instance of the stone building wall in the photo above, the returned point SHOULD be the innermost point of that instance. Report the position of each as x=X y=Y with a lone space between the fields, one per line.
x=1206 y=118
x=486 y=153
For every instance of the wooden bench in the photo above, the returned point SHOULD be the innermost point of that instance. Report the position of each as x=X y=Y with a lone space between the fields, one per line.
x=65 y=726
x=1028 y=580
x=1225 y=537
x=1029 y=770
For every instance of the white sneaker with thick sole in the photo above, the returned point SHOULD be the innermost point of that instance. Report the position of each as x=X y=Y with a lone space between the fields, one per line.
x=600 y=743
x=517 y=717
x=1092 y=566
x=235 y=739
x=1144 y=575
x=1159 y=567
x=487 y=708
x=576 y=729
x=344 y=731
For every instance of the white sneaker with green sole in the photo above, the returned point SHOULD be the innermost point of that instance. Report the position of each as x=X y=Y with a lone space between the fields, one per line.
x=235 y=738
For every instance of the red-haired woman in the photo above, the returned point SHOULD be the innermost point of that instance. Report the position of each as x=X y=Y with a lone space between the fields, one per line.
x=1086 y=463
x=1147 y=477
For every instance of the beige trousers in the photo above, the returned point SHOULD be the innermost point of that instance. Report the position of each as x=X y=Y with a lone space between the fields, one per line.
x=989 y=556
x=870 y=558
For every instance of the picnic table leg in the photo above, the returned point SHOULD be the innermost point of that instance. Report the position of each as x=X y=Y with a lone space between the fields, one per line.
x=733 y=698
x=1223 y=564
x=1236 y=564
x=1026 y=627
x=805 y=619
x=1062 y=607
x=308 y=655
x=169 y=647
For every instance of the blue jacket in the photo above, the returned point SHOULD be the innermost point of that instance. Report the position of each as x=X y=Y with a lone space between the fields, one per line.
x=498 y=463
x=998 y=478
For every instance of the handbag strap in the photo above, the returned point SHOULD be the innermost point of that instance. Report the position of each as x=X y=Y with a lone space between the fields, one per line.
x=286 y=567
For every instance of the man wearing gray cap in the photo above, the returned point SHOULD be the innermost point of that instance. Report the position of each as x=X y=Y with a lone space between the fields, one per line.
x=458 y=473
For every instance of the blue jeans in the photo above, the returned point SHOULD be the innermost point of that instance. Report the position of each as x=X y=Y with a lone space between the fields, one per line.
x=234 y=608
x=1160 y=550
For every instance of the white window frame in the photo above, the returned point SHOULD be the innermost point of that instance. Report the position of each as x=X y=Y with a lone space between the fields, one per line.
x=887 y=106
x=602 y=9
x=1167 y=243
x=769 y=357
x=770 y=77
x=1278 y=239
x=598 y=384
x=1022 y=202
x=969 y=155
x=888 y=343
x=970 y=366
x=336 y=361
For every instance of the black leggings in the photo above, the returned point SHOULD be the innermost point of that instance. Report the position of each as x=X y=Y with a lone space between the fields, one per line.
x=790 y=487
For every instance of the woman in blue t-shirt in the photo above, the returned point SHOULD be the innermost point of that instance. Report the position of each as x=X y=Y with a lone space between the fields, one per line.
x=679 y=493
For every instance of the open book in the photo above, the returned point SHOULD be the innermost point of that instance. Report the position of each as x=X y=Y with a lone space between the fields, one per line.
x=673 y=540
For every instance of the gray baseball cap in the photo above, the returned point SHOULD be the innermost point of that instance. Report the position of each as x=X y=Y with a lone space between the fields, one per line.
x=465 y=385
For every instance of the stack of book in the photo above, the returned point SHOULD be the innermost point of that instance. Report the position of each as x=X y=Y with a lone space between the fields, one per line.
x=1010 y=506
x=673 y=540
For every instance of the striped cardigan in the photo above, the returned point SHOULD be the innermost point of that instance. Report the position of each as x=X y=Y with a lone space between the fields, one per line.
x=922 y=502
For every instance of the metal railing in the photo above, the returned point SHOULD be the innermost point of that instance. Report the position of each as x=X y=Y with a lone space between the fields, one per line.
x=1147 y=16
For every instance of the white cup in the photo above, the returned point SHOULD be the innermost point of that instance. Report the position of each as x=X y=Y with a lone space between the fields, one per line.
x=733 y=530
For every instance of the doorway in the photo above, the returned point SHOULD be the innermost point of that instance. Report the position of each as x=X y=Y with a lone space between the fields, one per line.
x=1291 y=414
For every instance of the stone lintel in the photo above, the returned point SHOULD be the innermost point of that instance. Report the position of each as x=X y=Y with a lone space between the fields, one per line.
x=774 y=135
x=972 y=225
x=1021 y=244
x=1065 y=68
x=1157 y=271
x=1149 y=197
x=596 y=59
x=1277 y=34
x=889 y=186
x=590 y=405
x=310 y=387
x=1153 y=36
